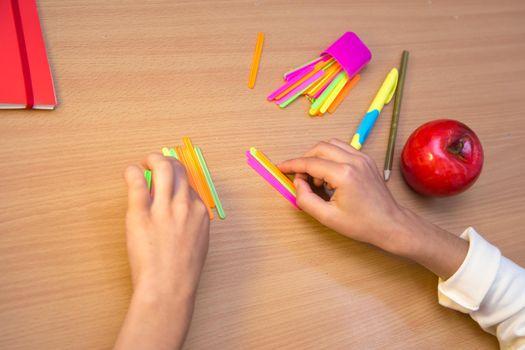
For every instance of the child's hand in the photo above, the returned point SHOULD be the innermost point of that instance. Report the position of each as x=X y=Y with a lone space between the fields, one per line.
x=167 y=233
x=167 y=236
x=361 y=207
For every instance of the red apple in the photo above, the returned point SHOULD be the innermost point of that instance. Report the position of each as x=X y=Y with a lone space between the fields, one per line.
x=442 y=158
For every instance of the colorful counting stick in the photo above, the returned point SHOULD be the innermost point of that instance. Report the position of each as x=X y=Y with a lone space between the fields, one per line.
x=198 y=175
x=264 y=167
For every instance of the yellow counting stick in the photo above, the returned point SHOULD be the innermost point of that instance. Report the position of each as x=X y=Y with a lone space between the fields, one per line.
x=169 y=152
x=333 y=95
x=268 y=165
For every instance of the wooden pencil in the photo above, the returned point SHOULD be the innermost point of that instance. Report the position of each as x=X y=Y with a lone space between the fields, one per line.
x=395 y=116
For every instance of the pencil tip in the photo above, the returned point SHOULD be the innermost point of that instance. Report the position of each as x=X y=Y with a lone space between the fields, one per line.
x=387 y=174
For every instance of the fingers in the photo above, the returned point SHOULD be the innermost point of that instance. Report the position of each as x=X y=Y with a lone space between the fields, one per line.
x=344 y=146
x=359 y=158
x=331 y=152
x=162 y=170
x=328 y=151
x=138 y=194
x=326 y=170
x=302 y=176
x=180 y=178
x=169 y=177
x=311 y=203
x=318 y=182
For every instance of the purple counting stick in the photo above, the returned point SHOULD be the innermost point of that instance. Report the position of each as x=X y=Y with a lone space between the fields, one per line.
x=252 y=162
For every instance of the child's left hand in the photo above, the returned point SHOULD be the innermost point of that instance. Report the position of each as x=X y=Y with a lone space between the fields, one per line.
x=167 y=238
x=167 y=233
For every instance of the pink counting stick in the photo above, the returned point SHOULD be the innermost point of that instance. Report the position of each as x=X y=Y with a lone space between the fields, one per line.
x=252 y=162
x=305 y=85
x=301 y=72
x=289 y=75
x=288 y=84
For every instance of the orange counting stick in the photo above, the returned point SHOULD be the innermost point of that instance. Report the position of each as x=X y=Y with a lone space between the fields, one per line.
x=184 y=162
x=256 y=60
x=317 y=68
x=208 y=198
x=330 y=73
x=344 y=92
x=186 y=159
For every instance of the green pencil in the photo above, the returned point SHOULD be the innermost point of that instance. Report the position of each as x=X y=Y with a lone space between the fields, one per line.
x=395 y=116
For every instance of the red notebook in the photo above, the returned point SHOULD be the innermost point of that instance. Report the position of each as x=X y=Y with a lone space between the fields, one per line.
x=25 y=78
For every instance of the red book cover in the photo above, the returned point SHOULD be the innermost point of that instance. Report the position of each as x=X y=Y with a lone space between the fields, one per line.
x=25 y=77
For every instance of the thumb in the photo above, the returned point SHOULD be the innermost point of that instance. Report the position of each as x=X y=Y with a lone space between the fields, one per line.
x=311 y=203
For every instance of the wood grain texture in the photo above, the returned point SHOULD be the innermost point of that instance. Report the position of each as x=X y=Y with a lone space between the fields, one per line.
x=133 y=76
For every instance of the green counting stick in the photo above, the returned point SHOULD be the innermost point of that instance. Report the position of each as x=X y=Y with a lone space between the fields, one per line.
x=314 y=108
x=173 y=153
x=211 y=185
x=147 y=175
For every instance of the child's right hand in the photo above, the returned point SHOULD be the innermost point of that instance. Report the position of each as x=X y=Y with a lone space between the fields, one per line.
x=361 y=207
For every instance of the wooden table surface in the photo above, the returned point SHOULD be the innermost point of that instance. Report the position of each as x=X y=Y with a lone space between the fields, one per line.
x=133 y=76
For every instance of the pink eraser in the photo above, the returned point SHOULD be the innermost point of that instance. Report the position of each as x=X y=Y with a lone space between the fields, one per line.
x=351 y=53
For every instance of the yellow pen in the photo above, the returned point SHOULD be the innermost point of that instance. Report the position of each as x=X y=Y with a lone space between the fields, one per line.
x=383 y=97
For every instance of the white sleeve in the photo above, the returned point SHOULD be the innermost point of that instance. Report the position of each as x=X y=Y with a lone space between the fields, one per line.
x=491 y=288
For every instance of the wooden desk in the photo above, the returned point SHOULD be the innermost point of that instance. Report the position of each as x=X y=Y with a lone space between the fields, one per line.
x=133 y=76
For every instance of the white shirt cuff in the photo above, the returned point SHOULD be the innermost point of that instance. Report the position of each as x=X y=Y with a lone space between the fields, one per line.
x=465 y=290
